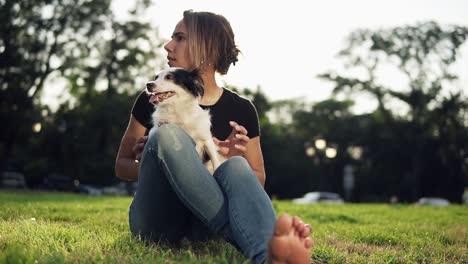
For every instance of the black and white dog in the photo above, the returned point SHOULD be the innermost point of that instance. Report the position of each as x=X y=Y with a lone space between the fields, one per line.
x=176 y=92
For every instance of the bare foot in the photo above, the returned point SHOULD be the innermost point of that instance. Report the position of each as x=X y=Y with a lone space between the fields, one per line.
x=290 y=243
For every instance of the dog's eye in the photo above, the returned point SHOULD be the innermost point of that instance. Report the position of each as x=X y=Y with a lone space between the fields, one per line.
x=169 y=77
x=155 y=77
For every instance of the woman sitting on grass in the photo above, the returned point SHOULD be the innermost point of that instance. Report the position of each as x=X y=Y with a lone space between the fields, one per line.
x=176 y=196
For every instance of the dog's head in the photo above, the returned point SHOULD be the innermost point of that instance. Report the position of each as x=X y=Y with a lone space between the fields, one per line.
x=175 y=82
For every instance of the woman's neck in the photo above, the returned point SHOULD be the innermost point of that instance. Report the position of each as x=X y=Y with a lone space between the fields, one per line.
x=212 y=91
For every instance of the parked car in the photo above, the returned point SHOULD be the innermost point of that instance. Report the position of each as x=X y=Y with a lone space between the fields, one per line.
x=58 y=182
x=435 y=201
x=118 y=189
x=89 y=189
x=122 y=188
x=12 y=179
x=319 y=197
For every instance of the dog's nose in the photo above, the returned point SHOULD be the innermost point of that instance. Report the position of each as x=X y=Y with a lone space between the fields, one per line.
x=149 y=86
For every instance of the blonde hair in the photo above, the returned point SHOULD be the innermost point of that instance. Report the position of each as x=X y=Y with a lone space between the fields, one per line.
x=210 y=40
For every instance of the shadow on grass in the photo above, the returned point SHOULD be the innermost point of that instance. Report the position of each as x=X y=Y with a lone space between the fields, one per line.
x=215 y=250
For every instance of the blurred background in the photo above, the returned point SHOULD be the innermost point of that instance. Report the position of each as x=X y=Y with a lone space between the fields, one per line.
x=387 y=120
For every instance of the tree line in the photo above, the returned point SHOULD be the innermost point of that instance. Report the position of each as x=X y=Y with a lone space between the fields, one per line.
x=306 y=146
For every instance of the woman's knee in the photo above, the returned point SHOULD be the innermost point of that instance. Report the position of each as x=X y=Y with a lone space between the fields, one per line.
x=236 y=171
x=165 y=136
x=236 y=163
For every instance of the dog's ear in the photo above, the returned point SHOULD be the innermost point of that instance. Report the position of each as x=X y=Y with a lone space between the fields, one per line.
x=191 y=80
x=197 y=85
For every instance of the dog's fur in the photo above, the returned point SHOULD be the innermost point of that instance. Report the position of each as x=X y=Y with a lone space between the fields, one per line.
x=176 y=92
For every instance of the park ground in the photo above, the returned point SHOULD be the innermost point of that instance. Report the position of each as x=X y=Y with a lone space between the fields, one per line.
x=44 y=227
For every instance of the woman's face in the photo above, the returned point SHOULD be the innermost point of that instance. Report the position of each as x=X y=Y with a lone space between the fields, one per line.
x=177 y=48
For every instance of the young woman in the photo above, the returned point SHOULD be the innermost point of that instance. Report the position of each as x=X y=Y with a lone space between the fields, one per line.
x=176 y=196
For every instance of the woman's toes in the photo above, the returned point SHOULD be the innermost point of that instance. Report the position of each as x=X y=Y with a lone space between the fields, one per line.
x=283 y=225
x=308 y=243
x=295 y=220
x=306 y=230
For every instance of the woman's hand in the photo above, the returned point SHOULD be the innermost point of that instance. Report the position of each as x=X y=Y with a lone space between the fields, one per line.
x=235 y=143
x=139 y=146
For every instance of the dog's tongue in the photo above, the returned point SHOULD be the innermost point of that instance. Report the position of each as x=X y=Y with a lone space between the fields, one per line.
x=159 y=97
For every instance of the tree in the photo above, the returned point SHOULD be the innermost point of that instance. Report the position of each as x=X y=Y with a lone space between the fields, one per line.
x=105 y=62
x=423 y=55
x=35 y=37
x=284 y=171
x=121 y=65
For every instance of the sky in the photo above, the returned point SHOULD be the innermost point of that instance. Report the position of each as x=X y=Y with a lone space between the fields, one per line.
x=286 y=44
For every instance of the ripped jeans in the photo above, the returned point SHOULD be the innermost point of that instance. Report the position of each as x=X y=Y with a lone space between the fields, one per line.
x=177 y=197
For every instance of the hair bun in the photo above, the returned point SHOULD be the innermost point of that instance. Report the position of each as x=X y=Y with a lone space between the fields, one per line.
x=233 y=56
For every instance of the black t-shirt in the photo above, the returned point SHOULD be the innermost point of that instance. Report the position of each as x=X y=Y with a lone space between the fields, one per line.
x=229 y=107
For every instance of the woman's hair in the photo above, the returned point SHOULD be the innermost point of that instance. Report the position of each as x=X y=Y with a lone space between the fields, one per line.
x=210 y=40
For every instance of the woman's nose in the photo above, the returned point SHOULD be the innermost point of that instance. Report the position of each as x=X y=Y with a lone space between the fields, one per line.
x=168 y=46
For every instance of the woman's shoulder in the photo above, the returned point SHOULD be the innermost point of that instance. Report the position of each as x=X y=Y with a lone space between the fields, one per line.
x=245 y=112
x=236 y=98
x=242 y=105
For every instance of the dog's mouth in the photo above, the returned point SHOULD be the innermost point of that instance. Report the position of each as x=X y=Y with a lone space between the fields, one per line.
x=156 y=98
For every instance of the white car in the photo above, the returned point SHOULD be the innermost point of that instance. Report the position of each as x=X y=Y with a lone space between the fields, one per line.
x=435 y=201
x=12 y=179
x=319 y=197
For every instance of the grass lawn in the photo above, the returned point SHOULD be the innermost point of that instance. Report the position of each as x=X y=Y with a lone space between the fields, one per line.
x=38 y=227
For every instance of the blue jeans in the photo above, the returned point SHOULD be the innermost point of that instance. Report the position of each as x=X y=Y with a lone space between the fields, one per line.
x=177 y=197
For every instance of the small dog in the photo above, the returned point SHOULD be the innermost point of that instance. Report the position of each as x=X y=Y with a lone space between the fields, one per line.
x=176 y=92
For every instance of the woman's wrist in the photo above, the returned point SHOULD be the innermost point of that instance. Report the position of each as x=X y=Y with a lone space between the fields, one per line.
x=127 y=169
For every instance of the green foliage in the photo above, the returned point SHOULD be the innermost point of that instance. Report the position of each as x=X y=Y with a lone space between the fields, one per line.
x=102 y=60
x=34 y=34
x=410 y=152
x=64 y=228
x=124 y=57
x=287 y=130
x=423 y=54
x=81 y=141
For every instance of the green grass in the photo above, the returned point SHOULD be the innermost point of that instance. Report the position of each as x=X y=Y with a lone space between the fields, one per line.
x=38 y=227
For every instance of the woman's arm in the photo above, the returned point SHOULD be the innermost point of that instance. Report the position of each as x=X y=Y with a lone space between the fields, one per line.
x=239 y=144
x=253 y=154
x=131 y=146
